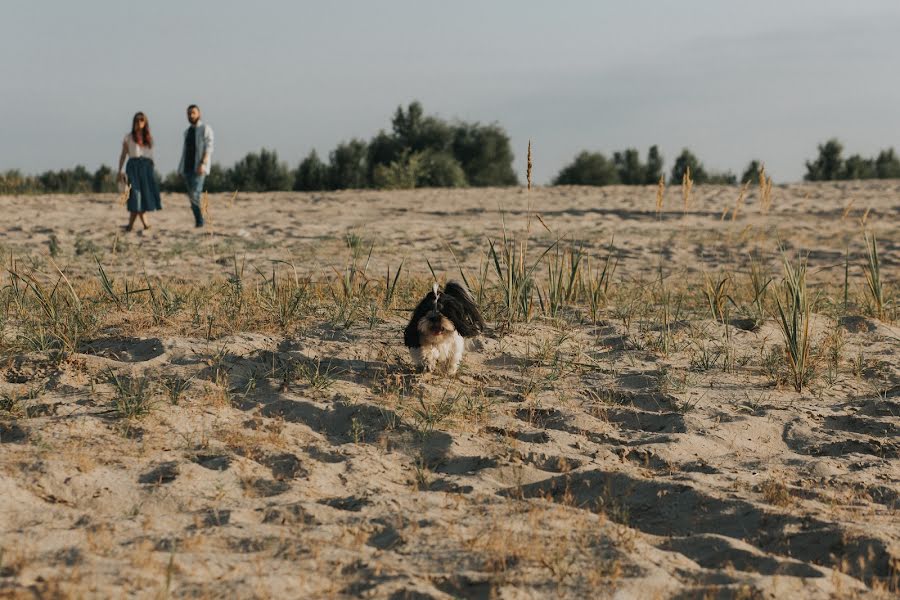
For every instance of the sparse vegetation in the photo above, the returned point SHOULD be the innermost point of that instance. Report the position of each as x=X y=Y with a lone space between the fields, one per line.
x=276 y=393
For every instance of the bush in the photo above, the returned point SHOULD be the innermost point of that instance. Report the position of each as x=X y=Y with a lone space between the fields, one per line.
x=629 y=168
x=217 y=180
x=887 y=166
x=259 y=173
x=682 y=162
x=439 y=169
x=485 y=154
x=828 y=165
x=751 y=173
x=421 y=169
x=347 y=168
x=399 y=175
x=588 y=168
x=654 y=168
x=311 y=174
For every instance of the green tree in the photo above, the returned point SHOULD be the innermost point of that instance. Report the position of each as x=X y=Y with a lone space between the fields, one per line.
x=828 y=165
x=416 y=132
x=720 y=177
x=217 y=180
x=887 y=165
x=260 y=173
x=347 y=166
x=858 y=167
x=173 y=182
x=103 y=180
x=629 y=167
x=682 y=162
x=654 y=169
x=312 y=174
x=439 y=169
x=14 y=182
x=66 y=181
x=751 y=173
x=485 y=154
x=588 y=168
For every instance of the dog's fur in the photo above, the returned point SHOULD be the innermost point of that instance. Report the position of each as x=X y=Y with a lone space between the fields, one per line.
x=438 y=325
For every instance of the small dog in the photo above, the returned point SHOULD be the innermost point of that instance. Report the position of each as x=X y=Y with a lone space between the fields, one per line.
x=438 y=325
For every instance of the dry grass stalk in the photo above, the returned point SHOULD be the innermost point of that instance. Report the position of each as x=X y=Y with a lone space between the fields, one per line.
x=864 y=219
x=765 y=190
x=686 y=184
x=847 y=209
x=660 y=193
x=204 y=205
x=739 y=203
x=528 y=169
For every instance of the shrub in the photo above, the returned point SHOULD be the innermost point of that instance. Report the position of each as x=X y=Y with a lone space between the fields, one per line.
x=828 y=165
x=687 y=159
x=347 y=167
x=484 y=153
x=311 y=174
x=260 y=173
x=751 y=173
x=588 y=168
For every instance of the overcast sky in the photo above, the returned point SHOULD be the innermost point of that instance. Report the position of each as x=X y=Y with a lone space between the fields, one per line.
x=732 y=81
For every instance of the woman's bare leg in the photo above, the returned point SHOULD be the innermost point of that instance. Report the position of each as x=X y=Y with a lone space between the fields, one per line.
x=144 y=220
x=131 y=219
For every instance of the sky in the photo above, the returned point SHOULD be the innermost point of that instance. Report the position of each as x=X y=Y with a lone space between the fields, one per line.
x=733 y=81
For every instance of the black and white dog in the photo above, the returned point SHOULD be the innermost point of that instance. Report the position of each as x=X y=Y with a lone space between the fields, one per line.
x=438 y=325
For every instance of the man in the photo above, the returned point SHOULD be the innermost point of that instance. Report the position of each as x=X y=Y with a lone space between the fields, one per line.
x=196 y=157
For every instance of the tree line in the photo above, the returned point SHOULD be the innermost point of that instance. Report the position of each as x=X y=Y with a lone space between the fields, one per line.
x=425 y=151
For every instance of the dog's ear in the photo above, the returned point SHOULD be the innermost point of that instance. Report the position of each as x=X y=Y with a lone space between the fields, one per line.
x=411 y=333
x=462 y=310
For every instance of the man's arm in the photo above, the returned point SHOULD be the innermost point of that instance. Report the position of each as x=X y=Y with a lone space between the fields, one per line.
x=207 y=151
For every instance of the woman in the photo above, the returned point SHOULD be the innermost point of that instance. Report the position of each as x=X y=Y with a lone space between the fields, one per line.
x=137 y=147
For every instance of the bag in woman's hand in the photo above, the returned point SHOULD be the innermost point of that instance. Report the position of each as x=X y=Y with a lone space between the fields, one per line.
x=121 y=183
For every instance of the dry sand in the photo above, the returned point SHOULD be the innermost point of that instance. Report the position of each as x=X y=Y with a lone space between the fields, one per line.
x=567 y=459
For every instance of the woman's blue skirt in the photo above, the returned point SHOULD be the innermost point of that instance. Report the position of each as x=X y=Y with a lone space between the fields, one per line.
x=144 y=194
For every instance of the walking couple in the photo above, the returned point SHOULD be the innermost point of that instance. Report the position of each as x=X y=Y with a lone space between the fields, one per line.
x=137 y=148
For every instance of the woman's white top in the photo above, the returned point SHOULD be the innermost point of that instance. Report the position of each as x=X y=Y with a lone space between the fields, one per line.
x=135 y=150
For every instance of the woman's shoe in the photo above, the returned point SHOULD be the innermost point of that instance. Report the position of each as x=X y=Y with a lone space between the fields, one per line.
x=128 y=228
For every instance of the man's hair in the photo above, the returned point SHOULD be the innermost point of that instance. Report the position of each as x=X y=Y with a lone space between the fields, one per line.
x=193 y=106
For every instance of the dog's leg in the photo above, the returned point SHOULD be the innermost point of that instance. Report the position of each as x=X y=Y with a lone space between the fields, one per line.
x=459 y=346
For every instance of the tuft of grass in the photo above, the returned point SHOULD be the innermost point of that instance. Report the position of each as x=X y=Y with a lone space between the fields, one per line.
x=315 y=376
x=516 y=276
x=563 y=269
x=793 y=310
x=717 y=296
x=174 y=387
x=872 y=270
x=134 y=396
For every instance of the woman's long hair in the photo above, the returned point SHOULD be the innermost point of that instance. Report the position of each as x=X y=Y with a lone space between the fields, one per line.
x=147 y=139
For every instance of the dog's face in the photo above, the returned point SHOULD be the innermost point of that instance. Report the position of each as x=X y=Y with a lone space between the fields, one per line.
x=433 y=326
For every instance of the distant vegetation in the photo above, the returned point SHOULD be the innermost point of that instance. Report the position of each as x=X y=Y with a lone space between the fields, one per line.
x=426 y=151
x=830 y=165
x=419 y=151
